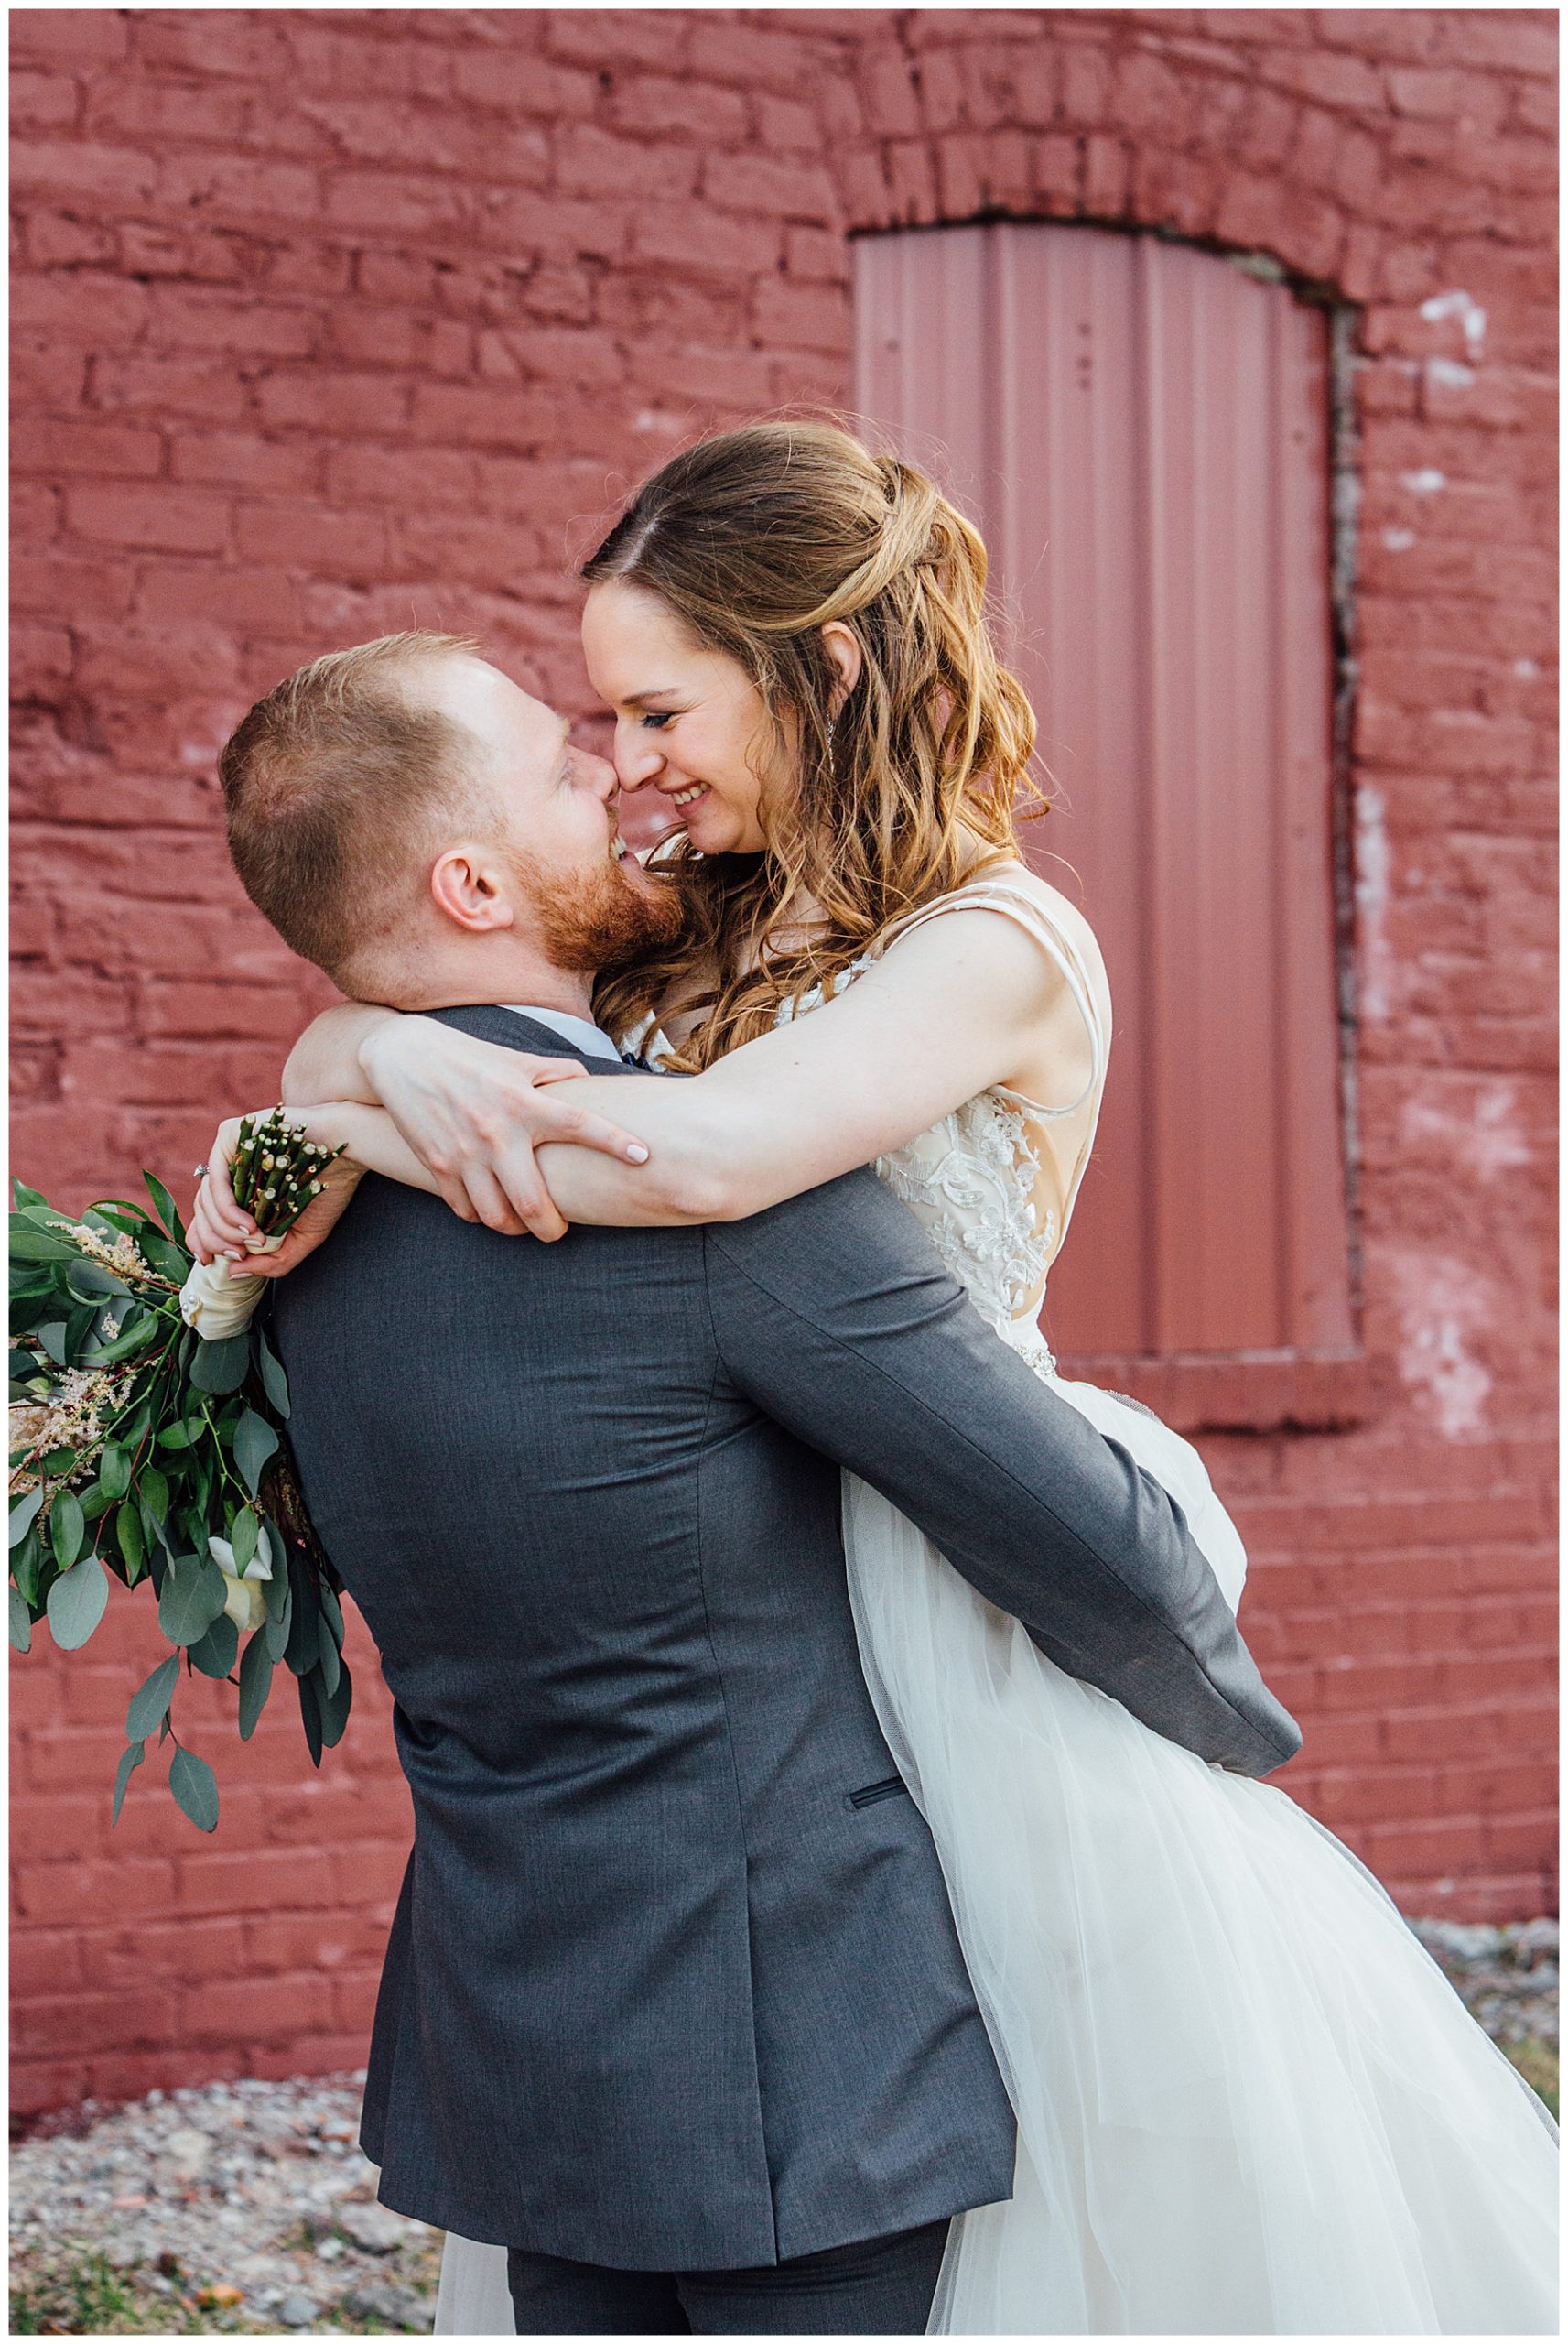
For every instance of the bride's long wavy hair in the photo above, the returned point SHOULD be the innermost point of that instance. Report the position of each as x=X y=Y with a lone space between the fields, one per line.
x=874 y=801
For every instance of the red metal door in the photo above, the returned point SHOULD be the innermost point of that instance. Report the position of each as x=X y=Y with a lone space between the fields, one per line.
x=1141 y=431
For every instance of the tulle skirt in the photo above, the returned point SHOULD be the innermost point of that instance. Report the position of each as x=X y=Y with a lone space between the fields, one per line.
x=1248 y=2102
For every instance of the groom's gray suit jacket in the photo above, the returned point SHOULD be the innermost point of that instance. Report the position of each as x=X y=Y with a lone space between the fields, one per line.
x=674 y=1982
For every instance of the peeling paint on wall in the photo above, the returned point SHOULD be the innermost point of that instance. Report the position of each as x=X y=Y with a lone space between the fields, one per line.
x=1441 y=1306
x=1481 y=1129
x=1372 y=874
x=1472 y=318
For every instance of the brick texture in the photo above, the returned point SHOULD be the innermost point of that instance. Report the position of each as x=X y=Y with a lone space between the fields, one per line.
x=332 y=322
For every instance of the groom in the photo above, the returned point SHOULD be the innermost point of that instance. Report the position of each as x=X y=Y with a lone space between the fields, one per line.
x=673 y=2005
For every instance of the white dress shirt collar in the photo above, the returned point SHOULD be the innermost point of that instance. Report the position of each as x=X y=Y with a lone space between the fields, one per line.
x=580 y=1032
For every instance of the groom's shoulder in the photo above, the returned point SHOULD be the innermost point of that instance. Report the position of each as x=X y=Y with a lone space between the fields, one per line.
x=512 y=1028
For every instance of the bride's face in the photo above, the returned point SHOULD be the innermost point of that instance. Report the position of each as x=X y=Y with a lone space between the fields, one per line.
x=689 y=722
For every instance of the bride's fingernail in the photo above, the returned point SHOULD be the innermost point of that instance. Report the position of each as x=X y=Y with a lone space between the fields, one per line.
x=637 y=1153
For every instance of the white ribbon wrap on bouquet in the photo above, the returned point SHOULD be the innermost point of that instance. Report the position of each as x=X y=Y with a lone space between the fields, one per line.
x=217 y=1305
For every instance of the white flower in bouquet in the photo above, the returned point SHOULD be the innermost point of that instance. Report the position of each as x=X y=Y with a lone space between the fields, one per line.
x=246 y=1601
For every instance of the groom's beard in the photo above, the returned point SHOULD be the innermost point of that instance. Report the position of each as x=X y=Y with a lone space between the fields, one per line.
x=597 y=922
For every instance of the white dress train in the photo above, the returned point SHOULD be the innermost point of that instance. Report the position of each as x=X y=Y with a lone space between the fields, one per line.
x=1248 y=2102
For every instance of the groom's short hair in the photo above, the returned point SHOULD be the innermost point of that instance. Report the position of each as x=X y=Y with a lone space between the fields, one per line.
x=334 y=783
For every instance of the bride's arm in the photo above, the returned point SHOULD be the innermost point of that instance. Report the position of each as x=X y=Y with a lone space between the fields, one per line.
x=331 y=1061
x=960 y=1003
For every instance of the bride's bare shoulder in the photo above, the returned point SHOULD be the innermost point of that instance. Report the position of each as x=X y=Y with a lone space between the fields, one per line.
x=1060 y=911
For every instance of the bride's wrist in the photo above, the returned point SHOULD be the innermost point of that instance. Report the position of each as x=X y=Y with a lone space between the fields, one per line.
x=336 y=1122
x=379 y=1037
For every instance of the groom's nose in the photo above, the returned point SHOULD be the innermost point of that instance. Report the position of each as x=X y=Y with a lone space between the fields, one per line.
x=601 y=773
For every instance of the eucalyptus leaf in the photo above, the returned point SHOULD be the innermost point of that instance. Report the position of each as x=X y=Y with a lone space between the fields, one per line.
x=128 y=1532
x=222 y=1366
x=44 y=1216
x=192 y=1597
x=21 y=1621
x=274 y=1383
x=120 y=1213
x=68 y=1525
x=174 y=1437
x=32 y=1245
x=334 y=1707
x=256 y=1683
x=243 y=1533
x=77 y=1601
x=303 y=1649
x=195 y=1789
x=153 y=1489
x=168 y=1212
x=327 y=1660
x=27 y=1561
x=114 y=1471
x=134 y=1337
x=89 y=1281
x=215 y=1653
x=53 y=1339
x=22 y=1195
x=278 y=1634
x=150 y=1706
x=278 y=1587
x=96 y=1502
x=130 y=1759
x=328 y=1600
x=134 y=1429
x=310 y=1715
x=78 y=1327
x=23 y=1515
x=164 y=1258
x=255 y=1443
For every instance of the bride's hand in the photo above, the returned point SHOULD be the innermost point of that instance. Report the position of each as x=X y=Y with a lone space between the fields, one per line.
x=473 y=1114
x=217 y=1227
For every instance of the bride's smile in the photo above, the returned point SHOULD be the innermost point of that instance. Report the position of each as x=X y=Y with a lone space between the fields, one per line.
x=688 y=725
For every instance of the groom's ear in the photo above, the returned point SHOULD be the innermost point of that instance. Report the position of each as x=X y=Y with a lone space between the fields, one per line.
x=468 y=888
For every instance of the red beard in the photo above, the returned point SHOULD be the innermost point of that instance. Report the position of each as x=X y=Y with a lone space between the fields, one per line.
x=601 y=921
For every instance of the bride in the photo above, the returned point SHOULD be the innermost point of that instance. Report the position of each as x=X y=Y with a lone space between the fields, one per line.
x=1247 y=2101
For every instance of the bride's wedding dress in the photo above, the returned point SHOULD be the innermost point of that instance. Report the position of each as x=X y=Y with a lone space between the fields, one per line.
x=1248 y=2103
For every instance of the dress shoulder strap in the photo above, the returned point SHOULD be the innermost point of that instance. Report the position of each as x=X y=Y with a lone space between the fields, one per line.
x=1015 y=901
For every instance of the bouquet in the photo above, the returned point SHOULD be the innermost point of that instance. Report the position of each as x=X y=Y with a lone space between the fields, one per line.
x=146 y=1447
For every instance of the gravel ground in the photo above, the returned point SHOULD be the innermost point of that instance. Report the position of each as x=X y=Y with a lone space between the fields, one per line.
x=249 y=2206
x=1507 y=1975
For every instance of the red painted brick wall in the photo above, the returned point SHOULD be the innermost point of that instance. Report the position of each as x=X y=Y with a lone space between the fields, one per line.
x=332 y=323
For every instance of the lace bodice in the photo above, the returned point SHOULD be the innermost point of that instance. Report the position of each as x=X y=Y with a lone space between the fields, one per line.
x=989 y=1183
